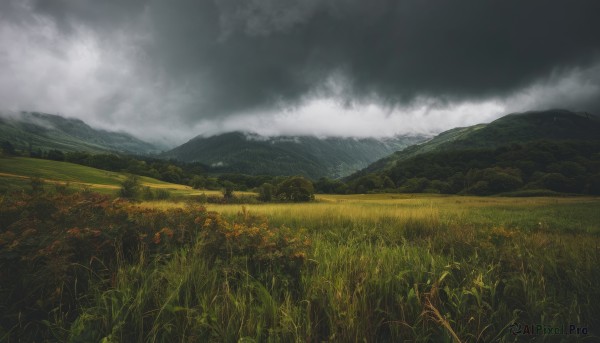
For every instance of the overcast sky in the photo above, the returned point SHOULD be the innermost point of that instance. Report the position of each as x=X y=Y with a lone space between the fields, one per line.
x=170 y=70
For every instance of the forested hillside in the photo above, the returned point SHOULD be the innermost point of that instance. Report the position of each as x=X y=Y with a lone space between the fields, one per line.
x=532 y=152
x=238 y=152
x=38 y=132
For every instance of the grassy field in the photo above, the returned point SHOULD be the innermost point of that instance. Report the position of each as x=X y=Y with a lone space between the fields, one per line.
x=16 y=171
x=344 y=268
x=386 y=211
x=432 y=268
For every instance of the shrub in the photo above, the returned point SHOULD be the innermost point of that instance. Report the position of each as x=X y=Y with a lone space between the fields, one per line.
x=162 y=194
x=129 y=187
x=249 y=243
x=52 y=246
x=37 y=184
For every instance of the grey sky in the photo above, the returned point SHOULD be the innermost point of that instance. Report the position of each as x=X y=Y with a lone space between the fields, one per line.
x=169 y=70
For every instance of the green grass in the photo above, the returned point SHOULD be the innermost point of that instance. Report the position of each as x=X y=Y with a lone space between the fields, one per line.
x=385 y=212
x=380 y=267
x=14 y=170
x=386 y=268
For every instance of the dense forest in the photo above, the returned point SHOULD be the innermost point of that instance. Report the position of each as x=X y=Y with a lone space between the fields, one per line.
x=535 y=167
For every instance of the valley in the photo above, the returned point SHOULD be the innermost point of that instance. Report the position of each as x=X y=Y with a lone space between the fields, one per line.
x=299 y=171
x=105 y=246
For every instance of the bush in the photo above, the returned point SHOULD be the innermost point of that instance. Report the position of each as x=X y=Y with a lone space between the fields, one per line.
x=130 y=187
x=479 y=188
x=250 y=244
x=162 y=194
x=37 y=184
x=52 y=246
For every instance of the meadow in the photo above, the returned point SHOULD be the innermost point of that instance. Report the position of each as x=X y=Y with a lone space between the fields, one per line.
x=347 y=268
x=15 y=174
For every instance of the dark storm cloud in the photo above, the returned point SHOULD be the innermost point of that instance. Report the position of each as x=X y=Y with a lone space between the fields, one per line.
x=225 y=57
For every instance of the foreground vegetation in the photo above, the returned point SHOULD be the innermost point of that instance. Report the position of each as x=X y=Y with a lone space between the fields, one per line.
x=82 y=267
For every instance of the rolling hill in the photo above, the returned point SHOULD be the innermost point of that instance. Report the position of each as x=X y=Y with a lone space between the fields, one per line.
x=33 y=131
x=16 y=171
x=286 y=155
x=552 y=125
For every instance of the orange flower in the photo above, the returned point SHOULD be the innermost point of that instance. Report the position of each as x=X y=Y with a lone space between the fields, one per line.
x=156 y=238
x=167 y=232
x=74 y=232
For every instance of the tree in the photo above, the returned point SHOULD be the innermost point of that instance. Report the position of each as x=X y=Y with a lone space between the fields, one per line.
x=198 y=182
x=329 y=186
x=296 y=189
x=55 y=155
x=7 y=148
x=228 y=190
x=130 y=187
x=265 y=192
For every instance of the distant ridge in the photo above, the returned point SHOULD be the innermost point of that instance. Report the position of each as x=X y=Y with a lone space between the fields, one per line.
x=249 y=153
x=553 y=125
x=34 y=130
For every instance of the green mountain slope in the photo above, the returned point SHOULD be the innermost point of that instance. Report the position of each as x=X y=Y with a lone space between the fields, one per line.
x=31 y=130
x=310 y=156
x=16 y=171
x=553 y=125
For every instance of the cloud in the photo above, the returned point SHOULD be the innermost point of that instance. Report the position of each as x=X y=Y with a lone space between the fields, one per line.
x=167 y=70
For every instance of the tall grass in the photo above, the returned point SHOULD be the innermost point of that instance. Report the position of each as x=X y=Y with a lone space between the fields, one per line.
x=378 y=268
x=423 y=269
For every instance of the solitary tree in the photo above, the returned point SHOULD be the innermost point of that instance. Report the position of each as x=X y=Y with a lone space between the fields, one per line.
x=265 y=192
x=228 y=190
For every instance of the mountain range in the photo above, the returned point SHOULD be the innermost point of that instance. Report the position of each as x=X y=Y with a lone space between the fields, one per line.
x=249 y=153
x=233 y=152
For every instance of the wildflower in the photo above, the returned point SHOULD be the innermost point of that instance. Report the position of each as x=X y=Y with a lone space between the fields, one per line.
x=167 y=232
x=75 y=232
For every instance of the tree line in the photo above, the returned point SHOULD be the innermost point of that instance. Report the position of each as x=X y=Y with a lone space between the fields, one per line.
x=535 y=168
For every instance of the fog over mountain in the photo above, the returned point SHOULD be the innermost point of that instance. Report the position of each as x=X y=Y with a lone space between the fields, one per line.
x=167 y=71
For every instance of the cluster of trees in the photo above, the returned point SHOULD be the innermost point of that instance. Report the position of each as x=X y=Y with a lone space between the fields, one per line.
x=566 y=167
x=291 y=189
x=270 y=188
x=196 y=175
